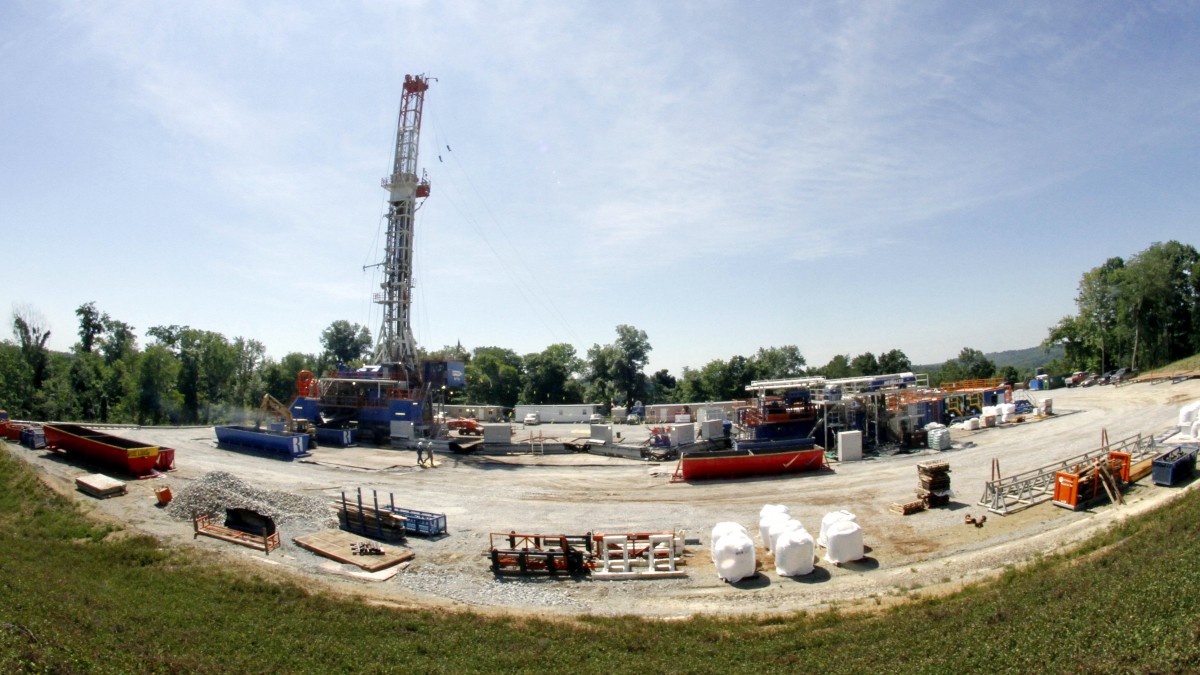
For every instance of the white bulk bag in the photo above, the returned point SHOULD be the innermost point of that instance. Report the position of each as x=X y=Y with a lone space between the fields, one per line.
x=778 y=528
x=733 y=556
x=845 y=542
x=721 y=529
x=767 y=515
x=773 y=508
x=765 y=523
x=831 y=518
x=794 y=552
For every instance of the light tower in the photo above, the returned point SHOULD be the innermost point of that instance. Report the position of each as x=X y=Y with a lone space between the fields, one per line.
x=395 y=344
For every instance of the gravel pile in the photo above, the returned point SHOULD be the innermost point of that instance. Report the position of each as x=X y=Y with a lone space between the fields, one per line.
x=516 y=592
x=216 y=491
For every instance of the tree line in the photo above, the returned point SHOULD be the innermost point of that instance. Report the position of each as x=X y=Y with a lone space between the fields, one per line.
x=187 y=375
x=1143 y=312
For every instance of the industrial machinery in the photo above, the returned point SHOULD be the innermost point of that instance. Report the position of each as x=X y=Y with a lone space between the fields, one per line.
x=391 y=394
x=298 y=425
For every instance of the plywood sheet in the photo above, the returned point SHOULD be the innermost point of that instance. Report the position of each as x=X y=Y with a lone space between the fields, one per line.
x=337 y=545
x=99 y=485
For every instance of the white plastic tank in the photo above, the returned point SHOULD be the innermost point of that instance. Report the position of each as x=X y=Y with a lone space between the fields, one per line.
x=733 y=556
x=794 y=553
x=831 y=518
x=844 y=542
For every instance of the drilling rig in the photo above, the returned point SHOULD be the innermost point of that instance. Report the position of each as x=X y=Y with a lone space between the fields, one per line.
x=375 y=398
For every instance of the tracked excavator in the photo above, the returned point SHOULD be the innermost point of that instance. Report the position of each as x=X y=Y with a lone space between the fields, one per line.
x=271 y=405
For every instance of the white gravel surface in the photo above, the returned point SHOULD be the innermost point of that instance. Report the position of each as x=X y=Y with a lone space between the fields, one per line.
x=575 y=494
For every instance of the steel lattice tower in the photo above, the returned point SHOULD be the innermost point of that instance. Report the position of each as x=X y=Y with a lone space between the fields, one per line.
x=395 y=344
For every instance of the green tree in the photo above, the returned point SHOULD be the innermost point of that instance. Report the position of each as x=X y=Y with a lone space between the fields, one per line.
x=158 y=400
x=865 y=364
x=279 y=379
x=551 y=376
x=248 y=385
x=493 y=377
x=207 y=363
x=32 y=333
x=777 y=363
x=689 y=387
x=894 y=361
x=615 y=372
x=838 y=367
x=971 y=364
x=118 y=341
x=91 y=324
x=346 y=342
x=16 y=387
x=662 y=388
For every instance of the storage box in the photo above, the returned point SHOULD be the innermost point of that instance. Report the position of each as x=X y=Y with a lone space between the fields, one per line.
x=1172 y=467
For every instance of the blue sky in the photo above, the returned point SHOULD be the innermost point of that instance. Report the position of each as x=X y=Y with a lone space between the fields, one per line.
x=845 y=177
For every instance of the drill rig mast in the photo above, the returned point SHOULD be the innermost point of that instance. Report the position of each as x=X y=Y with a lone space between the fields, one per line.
x=395 y=345
x=377 y=397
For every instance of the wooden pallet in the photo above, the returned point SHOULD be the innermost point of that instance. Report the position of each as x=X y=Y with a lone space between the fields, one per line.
x=907 y=508
x=338 y=545
x=204 y=525
x=100 y=486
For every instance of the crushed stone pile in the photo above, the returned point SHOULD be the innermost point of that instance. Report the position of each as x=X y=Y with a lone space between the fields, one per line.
x=216 y=491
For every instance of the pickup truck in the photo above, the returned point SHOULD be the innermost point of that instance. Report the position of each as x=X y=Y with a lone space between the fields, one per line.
x=466 y=426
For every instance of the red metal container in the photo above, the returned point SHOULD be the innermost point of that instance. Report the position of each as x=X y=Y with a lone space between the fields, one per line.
x=735 y=463
x=12 y=430
x=134 y=457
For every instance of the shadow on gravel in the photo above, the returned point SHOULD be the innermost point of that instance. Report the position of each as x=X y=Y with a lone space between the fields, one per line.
x=866 y=564
x=818 y=575
x=759 y=580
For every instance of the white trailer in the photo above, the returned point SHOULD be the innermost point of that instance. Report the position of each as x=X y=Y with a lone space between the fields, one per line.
x=566 y=413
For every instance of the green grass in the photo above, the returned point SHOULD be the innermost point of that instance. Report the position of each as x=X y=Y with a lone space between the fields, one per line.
x=75 y=597
x=1190 y=364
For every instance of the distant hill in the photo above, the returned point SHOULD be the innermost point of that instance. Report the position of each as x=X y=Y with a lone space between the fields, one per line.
x=1021 y=359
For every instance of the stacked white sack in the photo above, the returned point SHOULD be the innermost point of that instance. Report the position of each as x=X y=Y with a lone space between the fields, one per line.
x=794 y=552
x=1007 y=412
x=844 y=542
x=831 y=518
x=938 y=439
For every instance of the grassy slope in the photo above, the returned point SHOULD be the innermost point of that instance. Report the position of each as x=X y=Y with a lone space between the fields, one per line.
x=74 y=599
x=1189 y=365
